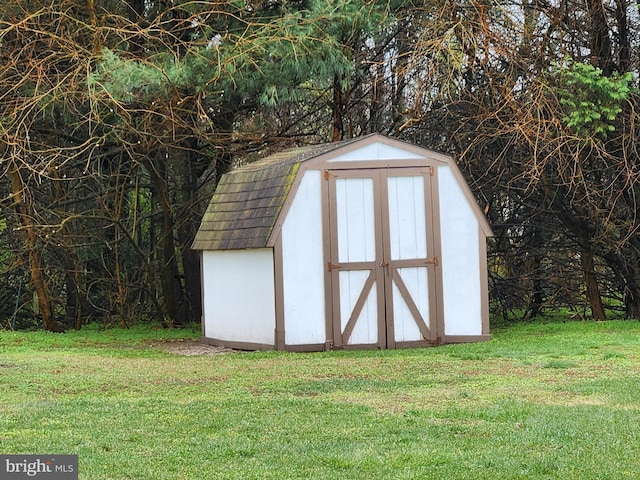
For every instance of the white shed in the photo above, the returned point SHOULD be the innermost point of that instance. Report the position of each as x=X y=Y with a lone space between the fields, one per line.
x=366 y=243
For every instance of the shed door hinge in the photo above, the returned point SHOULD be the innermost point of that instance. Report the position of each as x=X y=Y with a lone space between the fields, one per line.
x=328 y=175
x=432 y=261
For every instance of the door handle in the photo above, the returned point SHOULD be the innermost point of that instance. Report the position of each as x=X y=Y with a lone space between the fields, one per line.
x=384 y=264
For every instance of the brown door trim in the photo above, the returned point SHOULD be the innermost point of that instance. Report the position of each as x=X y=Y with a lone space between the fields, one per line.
x=384 y=271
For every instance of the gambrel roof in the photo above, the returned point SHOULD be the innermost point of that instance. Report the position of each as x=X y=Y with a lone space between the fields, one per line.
x=247 y=201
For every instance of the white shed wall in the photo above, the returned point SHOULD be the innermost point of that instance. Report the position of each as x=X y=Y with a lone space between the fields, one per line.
x=303 y=265
x=239 y=295
x=376 y=151
x=460 y=258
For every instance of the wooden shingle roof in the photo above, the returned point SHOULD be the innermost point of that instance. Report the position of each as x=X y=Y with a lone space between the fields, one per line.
x=247 y=201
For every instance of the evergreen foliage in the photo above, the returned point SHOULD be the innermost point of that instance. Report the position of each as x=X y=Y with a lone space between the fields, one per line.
x=268 y=56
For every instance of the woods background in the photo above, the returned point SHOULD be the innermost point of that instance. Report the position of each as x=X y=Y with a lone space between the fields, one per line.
x=118 y=117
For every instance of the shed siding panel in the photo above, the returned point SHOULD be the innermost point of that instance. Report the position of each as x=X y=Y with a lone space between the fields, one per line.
x=303 y=265
x=352 y=284
x=239 y=298
x=460 y=258
x=376 y=151
x=407 y=218
x=405 y=327
x=408 y=235
x=356 y=221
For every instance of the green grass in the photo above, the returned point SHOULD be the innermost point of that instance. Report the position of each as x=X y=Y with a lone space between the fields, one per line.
x=539 y=401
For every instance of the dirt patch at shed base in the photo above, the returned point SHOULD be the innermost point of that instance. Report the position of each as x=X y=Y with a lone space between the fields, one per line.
x=192 y=348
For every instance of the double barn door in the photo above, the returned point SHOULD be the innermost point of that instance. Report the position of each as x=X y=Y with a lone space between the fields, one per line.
x=382 y=257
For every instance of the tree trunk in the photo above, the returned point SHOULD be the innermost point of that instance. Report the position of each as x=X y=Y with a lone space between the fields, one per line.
x=577 y=220
x=632 y=302
x=599 y=39
x=631 y=292
x=591 y=282
x=338 y=111
x=35 y=260
x=75 y=299
x=185 y=174
x=171 y=287
x=537 y=297
x=169 y=266
x=626 y=268
x=624 y=48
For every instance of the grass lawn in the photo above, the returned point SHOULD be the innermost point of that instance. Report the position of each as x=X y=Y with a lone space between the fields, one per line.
x=539 y=401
